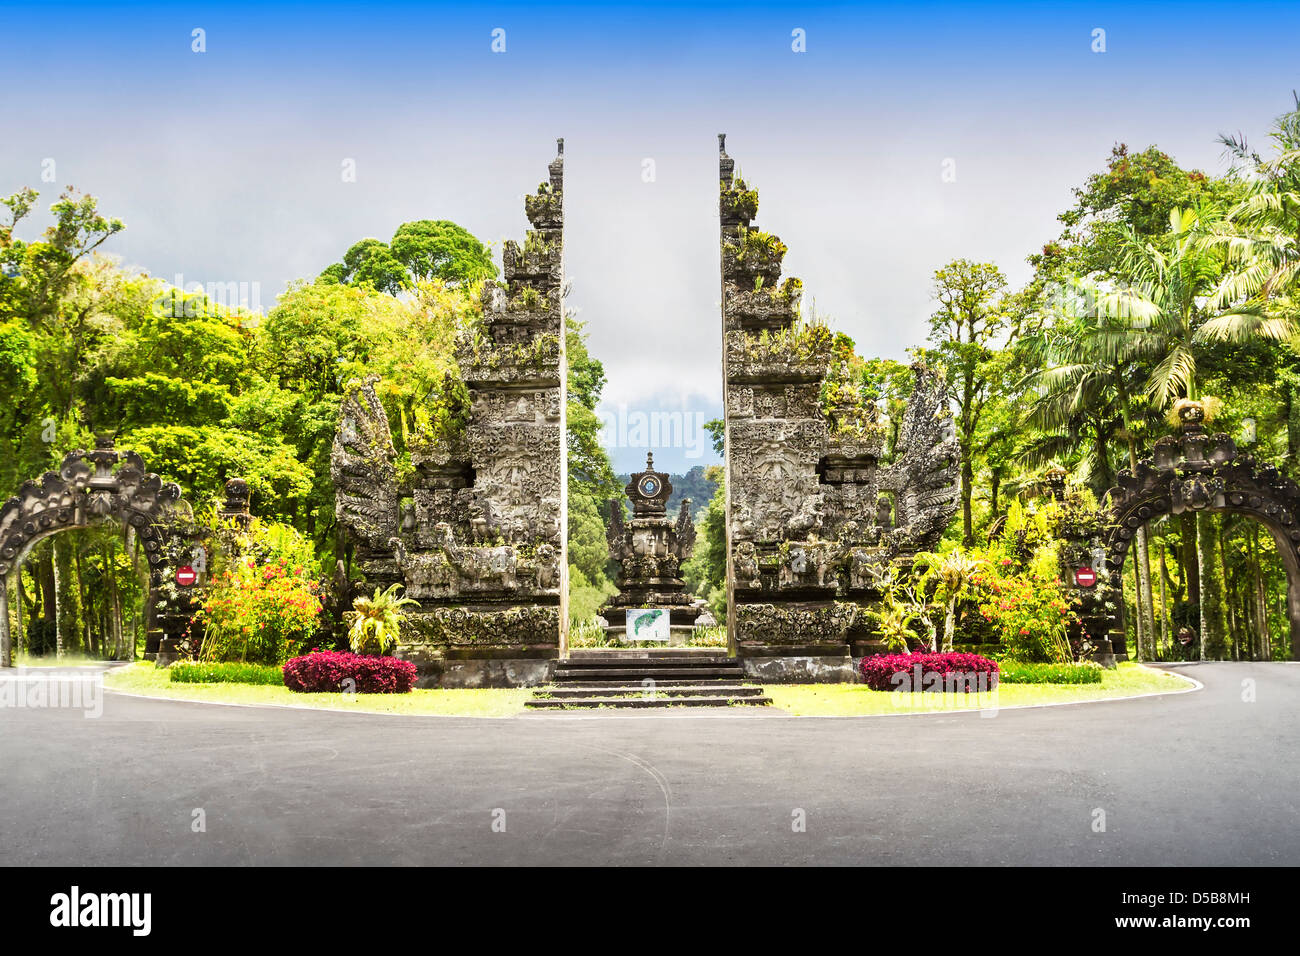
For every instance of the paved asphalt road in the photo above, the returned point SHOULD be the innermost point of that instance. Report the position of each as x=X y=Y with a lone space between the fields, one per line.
x=1195 y=778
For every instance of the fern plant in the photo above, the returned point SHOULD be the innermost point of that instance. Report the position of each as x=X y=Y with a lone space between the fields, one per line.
x=378 y=621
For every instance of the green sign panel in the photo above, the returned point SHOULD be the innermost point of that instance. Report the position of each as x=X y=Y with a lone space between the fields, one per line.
x=647 y=624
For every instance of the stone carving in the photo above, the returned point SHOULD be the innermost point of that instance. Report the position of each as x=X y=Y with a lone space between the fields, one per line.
x=106 y=484
x=925 y=470
x=815 y=510
x=1193 y=472
x=650 y=549
x=481 y=546
x=362 y=469
x=235 y=508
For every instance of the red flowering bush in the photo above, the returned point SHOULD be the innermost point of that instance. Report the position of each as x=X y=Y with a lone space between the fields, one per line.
x=325 y=672
x=952 y=672
x=259 y=613
x=1029 y=613
x=1020 y=590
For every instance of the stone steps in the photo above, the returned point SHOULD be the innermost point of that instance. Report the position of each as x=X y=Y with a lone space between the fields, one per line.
x=635 y=675
x=660 y=680
x=589 y=703
x=658 y=690
x=627 y=680
x=656 y=659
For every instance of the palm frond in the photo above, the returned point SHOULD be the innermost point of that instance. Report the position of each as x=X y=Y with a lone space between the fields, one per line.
x=1244 y=324
x=1173 y=376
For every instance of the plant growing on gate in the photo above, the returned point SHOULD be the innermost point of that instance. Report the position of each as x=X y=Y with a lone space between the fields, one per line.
x=740 y=200
x=378 y=622
x=755 y=244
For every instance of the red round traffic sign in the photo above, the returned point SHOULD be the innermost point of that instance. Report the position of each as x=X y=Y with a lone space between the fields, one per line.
x=1085 y=577
x=186 y=576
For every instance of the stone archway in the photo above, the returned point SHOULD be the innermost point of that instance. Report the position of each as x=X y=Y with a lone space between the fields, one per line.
x=93 y=488
x=1192 y=472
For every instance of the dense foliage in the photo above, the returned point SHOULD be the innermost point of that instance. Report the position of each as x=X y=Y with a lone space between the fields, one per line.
x=1164 y=285
x=205 y=390
x=422 y=250
x=259 y=613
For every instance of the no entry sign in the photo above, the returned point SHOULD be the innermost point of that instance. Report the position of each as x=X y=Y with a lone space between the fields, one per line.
x=186 y=576
x=1085 y=577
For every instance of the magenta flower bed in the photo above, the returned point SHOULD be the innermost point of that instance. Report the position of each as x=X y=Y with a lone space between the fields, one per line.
x=953 y=672
x=326 y=671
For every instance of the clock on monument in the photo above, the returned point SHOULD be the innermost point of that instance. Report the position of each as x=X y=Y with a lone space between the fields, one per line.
x=649 y=490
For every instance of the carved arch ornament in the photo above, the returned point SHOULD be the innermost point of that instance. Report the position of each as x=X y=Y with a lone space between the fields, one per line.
x=90 y=488
x=1194 y=472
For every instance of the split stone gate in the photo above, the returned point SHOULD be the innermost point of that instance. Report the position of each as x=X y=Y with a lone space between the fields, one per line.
x=817 y=505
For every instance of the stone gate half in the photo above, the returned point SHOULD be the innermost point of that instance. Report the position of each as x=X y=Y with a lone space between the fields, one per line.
x=478 y=535
x=812 y=511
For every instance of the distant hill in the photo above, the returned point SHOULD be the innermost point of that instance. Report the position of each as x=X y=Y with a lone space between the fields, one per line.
x=691 y=485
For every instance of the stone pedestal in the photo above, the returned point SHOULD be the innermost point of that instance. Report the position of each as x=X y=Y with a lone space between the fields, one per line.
x=650 y=549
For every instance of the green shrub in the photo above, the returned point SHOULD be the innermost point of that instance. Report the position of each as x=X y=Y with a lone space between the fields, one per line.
x=237 y=672
x=1021 y=672
x=259 y=614
x=587 y=633
x=379 y=619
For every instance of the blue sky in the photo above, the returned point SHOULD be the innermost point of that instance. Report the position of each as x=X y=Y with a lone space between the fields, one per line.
x=225 y=165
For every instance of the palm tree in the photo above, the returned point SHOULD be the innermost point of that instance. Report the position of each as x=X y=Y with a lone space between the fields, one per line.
x=1175 y=304
x=1092 y=381
x=1263 y=230
x=952 y=576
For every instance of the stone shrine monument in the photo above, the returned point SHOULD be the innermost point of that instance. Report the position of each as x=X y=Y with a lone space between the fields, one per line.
x=650 y=549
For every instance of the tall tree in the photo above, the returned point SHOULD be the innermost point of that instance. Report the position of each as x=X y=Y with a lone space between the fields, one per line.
x=1173 y=300
x=964 y=330
x=419 y=251
x=1093 y=371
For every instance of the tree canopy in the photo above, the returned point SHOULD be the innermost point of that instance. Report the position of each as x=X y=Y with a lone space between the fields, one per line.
x=419 y=251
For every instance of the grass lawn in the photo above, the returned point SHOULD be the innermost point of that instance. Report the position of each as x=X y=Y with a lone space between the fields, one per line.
x=811 y=700
x=145 y=678
x=848 y=700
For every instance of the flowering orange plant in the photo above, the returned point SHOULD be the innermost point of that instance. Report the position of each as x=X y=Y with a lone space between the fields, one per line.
x=1030 y=613
x=260 y=613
